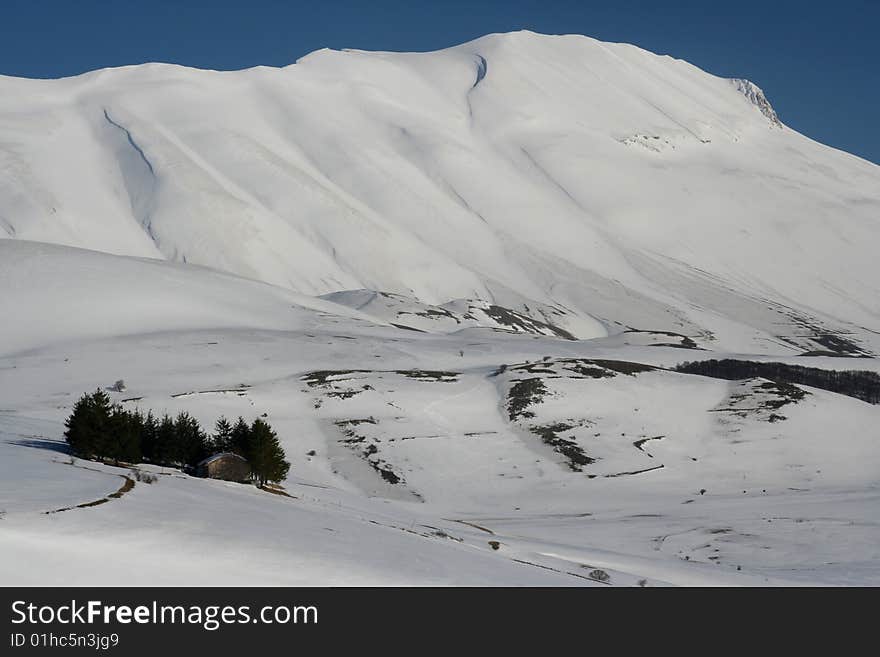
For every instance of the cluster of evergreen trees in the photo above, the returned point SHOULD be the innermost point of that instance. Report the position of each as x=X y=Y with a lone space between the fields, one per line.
x=861 y=384
x=98 y=429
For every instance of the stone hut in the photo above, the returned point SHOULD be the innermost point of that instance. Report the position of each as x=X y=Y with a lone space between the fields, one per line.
x=226 y=466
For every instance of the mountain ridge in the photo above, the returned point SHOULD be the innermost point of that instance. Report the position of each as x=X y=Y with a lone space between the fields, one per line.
x=518 y=169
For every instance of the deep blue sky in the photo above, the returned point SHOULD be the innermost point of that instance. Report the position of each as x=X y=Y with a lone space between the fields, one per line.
x=816 y=60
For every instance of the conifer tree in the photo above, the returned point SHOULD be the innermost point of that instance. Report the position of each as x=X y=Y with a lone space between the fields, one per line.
x=149 y=430
x=222 y=435
x=240 y=438
x=88 y=425
x=191 y=439
x=101 y=412
x=98 y=429
x=123 y=438
x=167 y=449
x=265 y=454
x=77 y=434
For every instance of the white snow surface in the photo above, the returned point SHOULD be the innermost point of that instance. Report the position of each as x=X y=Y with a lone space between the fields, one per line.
x=621 y=187
x=264 y=242
x=692 y=481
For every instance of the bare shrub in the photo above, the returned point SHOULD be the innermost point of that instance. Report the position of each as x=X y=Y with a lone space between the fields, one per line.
x=144 y=477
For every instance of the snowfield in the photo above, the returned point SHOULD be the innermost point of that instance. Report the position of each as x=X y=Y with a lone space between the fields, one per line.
x=458 y=285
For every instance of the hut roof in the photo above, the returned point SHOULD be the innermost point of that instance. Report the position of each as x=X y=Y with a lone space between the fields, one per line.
x=222 y=455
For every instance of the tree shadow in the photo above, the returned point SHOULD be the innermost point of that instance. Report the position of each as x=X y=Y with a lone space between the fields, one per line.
x=42 y=443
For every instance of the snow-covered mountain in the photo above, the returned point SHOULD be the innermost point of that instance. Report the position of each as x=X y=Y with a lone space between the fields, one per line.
x=462 y=286
x=537 y=173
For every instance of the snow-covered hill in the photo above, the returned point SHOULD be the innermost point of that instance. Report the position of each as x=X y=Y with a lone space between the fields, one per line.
x=406 y=312
x=57 y=294
x=458 y=284
x=618 y=187
x=473 y=456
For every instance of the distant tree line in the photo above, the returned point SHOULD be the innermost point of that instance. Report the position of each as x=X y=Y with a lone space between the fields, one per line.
x=860 y=384
x=99 y=429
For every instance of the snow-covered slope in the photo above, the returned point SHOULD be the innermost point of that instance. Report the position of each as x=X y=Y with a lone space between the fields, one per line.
x=622 y=188
x=466 y=457
x=55 y=294
x=406 y=312
x=458 y=285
